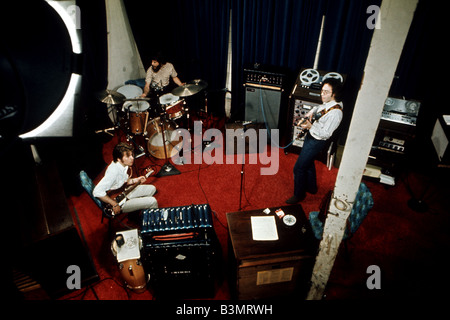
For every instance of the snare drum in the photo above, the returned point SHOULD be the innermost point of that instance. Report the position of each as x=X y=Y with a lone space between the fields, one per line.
x=131 y=270
x=137 y=115
x=176 y=110
x=155 y=141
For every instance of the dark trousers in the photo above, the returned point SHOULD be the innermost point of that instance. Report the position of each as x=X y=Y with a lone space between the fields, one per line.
x=304 y=168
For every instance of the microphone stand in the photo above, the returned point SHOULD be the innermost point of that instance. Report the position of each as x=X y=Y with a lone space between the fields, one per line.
x=244 y=125
x=111 y=108
x=167 y=169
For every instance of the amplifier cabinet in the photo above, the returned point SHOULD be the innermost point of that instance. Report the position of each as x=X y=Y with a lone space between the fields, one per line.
x=262 y=104
x=180 y=251
x=270 y=269
x=264 y=94
x=179 y=270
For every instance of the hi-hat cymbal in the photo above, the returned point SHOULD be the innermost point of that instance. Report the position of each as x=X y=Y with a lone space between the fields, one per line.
x=186 y=90
x=198 y=82
x=110 y=97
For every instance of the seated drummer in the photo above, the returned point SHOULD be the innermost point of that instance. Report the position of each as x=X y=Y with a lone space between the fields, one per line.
x=158 y=76
x=116 y=177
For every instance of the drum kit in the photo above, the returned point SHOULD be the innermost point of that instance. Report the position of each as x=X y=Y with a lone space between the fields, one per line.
x=155 y=118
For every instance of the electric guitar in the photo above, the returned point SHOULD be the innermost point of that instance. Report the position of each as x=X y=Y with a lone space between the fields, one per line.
x=314 y=118
x=120 y=195
x=302 y=131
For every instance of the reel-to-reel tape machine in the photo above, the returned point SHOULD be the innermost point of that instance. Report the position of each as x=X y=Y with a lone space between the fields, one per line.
x=304 y=96
x=309 y=83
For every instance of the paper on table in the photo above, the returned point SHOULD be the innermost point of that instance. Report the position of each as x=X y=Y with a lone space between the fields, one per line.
x=264 y=228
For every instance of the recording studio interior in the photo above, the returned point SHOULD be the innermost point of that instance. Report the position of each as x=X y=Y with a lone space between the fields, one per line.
x=221 y=143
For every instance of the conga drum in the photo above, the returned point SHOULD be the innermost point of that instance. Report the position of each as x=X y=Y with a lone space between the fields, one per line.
x=127 y=253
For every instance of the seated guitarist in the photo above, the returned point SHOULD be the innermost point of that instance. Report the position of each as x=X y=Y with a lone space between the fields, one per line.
x=116 y=177
x=327 y=117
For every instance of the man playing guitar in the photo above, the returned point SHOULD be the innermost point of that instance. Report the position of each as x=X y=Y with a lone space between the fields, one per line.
x=139 y=196
x=318 y=132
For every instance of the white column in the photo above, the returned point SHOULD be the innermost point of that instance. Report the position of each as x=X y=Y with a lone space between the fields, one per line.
x=384 y=54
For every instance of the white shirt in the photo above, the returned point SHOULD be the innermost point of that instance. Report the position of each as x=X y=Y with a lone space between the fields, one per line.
x=162 y=77
x=323 y=128
x=115 y=177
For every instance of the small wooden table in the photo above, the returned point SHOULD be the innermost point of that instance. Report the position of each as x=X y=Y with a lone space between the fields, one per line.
x=275 y=268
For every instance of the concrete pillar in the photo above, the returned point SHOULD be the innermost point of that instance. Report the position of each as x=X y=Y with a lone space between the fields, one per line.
x=384 y=54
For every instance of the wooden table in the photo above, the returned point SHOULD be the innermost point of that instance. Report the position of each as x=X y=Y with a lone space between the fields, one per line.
x=274 y=268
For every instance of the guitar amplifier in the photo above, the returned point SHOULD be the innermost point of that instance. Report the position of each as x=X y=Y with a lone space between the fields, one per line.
x=264 y=93
x=180 y=251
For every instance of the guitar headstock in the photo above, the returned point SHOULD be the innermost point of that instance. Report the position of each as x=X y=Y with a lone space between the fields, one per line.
x=148 y=172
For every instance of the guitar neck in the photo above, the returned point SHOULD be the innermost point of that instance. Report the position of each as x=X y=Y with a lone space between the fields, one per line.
x=123 y=193
x=133 y=186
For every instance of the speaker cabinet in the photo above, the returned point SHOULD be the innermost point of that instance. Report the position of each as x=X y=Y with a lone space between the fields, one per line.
x=180 y=270
x=262 y=104
x=46 y=239
x=180 y=251
x=263 y=94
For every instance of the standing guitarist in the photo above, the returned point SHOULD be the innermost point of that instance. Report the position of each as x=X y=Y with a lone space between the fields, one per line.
x=116 y=177
x=328 y=117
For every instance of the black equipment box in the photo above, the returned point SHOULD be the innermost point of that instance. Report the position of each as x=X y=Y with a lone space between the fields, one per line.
x=180 y=251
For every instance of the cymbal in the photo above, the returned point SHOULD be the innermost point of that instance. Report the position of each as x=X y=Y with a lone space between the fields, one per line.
x=186 y=90
x=198 y=82
x=110 y=97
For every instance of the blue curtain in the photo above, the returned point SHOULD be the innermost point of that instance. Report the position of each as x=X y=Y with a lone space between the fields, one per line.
x=202 y=45
x=345 y=45
x=281 y=33
x=419 y=64
x=193 y=35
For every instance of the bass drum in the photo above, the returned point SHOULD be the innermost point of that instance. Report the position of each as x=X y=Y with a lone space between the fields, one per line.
x=155 y=142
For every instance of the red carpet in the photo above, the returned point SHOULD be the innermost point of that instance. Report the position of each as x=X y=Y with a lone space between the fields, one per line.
x=407 y=246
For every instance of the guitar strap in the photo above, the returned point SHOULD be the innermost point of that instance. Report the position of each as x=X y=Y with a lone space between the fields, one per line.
x=324 y=112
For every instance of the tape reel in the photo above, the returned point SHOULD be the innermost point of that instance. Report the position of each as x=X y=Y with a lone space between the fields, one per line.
x=333 y=75
x=309 y=76
x=412 y=108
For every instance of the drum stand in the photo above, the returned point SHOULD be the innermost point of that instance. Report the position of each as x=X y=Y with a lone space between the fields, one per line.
x=167 y=169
